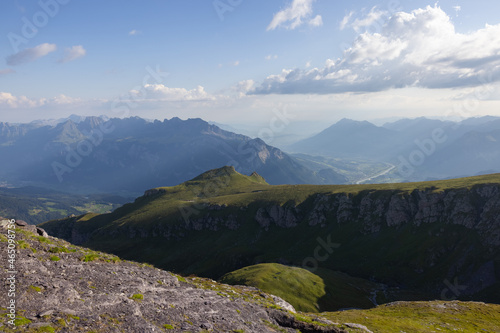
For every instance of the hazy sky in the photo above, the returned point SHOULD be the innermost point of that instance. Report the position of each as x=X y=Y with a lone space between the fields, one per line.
x=249 y=61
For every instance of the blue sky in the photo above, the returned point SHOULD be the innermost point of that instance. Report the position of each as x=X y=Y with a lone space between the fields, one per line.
x=238 y=61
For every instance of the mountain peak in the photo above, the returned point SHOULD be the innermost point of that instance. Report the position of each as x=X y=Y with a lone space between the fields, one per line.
x=258 y=177
x=229 y=171
x=217 y=173
x=351 y=122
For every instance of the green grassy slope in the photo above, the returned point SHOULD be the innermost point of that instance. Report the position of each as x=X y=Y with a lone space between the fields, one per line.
x=424 y=317
x=305 y=290
x=188 y=228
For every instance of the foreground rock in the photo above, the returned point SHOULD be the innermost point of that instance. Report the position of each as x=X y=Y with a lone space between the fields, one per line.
x=73 y=289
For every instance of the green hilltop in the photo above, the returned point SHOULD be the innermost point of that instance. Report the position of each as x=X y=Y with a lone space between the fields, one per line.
x=306 y=291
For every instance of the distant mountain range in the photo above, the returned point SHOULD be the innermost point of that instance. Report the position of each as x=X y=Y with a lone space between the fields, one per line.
x=419 y=149
x=126 y=156
x=129 y=155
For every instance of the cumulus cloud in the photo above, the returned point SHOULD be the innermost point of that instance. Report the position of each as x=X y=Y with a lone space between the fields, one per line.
x=163 y=93
x=73 y=53
x=420 y=48
x=271 y=56
x=244 y=87
x=296 y=14
x=30 y=54
x=7 y=100
x=6 y=71
x=134 y=32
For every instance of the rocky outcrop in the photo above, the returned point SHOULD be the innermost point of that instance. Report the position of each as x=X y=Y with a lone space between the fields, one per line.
x=284 y=217
x=153 y=192
x=66 y=288
x=476 y=209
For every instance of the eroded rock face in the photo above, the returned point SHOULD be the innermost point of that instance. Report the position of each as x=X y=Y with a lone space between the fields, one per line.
x=282 y=216
x=58 y=285
x=477 y=209
x=153 y=192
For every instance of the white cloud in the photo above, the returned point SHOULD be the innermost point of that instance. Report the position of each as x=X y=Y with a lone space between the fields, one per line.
x=236 y=63
x=161 y=92
x=271 y=57
x=294 y=15
x=9 y=101
x=30 y=54
x=73 y=53
x=457 y=8
x=317 y=21
x=244 y=87
x=134 y=32
x=345 y=21
x=420 y=49
x=373 y=19
x=6 y=71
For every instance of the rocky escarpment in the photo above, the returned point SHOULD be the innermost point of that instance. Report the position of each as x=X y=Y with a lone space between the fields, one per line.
x=60 y=287
x=477 y=209
x=423 y=238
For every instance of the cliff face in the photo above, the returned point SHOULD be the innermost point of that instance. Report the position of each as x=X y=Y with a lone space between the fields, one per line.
x=477 y=209
x=420 y=239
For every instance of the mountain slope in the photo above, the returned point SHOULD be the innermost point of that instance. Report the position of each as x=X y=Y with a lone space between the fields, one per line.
x=74 y=289
x=131 y=155
x=412 y=236
x=473 y=153
x=348 y=138
x=420 y=149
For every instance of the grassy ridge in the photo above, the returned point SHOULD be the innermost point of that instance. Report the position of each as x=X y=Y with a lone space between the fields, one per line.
x=228 y=187
x=233 y=189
